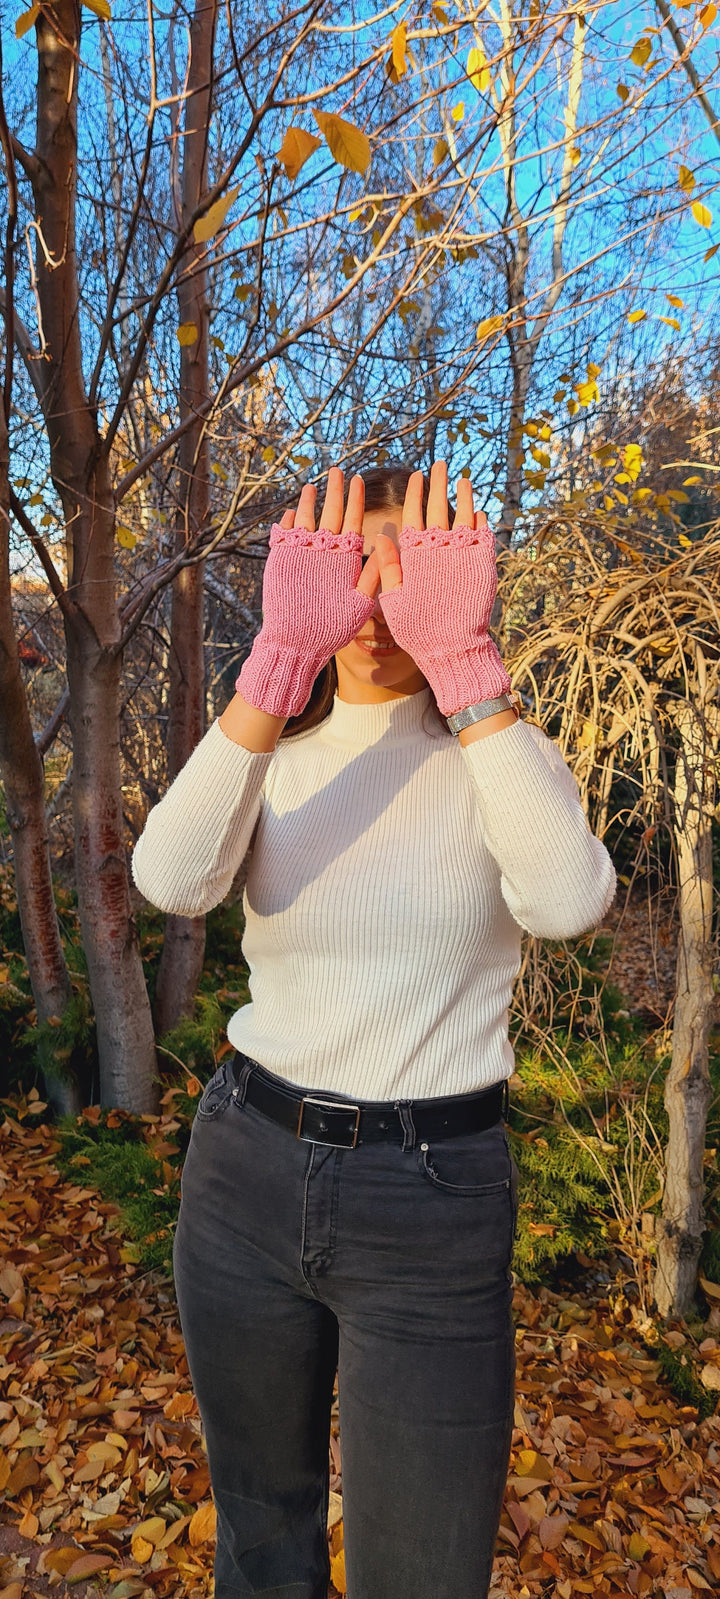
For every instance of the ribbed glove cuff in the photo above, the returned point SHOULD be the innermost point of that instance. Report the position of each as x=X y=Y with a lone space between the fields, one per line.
x=277 y=679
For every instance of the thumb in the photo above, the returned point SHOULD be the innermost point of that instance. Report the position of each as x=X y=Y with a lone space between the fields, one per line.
x=389 y=559
x=369 y=577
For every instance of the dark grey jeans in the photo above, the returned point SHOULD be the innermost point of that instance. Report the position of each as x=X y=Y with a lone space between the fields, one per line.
x=391 y=1266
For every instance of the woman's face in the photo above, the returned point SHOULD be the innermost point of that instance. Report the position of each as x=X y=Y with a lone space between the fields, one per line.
x=364 y=677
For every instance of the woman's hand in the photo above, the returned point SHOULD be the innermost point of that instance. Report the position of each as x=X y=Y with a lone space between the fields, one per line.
x=437 y=598
x=315 y=598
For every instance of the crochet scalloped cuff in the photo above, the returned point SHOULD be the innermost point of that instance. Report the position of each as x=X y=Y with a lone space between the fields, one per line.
x=323 y=539
x=457 y=537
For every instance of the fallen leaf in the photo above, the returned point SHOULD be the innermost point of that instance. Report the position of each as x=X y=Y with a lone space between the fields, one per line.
x=202 y=1525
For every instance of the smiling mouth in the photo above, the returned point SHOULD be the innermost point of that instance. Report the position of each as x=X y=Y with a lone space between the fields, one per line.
x=377 y=650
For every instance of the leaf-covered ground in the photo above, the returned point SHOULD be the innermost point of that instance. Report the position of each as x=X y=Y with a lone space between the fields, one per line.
x=104 y=1486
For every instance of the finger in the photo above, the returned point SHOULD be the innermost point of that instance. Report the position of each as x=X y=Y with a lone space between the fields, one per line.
x=305 y=513
x=369 y=579
x=464 y=516
x=353 y=519
x=332 y=511
x=389 y=562
x=287 y=519
x=481 y=521
x=437 y=508
x=412 y=508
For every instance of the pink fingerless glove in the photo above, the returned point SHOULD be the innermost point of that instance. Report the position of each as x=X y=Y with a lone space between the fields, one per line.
x=311 y=608
x=440 y=613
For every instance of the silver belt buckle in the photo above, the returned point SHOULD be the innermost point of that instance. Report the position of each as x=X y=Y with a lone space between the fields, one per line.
x=326 y=1104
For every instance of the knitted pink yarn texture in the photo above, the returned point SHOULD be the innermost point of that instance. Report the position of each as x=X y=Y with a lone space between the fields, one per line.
x=311 y=608
x=441 y=612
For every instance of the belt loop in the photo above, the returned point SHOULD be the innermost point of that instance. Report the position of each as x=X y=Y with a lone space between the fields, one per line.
x=408 y=1126
x=242 y=1069
x=505 y=1100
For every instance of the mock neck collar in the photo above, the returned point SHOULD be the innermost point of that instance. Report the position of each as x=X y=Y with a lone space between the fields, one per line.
x=363 y=725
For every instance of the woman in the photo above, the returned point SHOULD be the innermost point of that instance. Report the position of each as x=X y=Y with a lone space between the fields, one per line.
x=349 y=1200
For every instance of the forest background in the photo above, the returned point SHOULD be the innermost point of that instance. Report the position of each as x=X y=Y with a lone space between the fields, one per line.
x=235 y=251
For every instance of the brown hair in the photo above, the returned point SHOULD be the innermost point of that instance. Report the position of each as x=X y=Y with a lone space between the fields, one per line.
x=385 y=488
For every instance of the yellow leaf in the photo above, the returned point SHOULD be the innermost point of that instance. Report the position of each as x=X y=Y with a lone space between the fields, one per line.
x=593 y=371
x=572 y=406
x=25 y=22
x=187 y=333
x=637 y=316
x=641 y=52
x=532 y=1464
x=440 y=151
x=701 y=214
x=100 y=8
x=686 y=180
x=620 y=496
x=678 y=495
x=296 y=149
x=675 y=300
x=632 y=460
x=707 y=16
x=337 y=1572
x=399 y=48
x=141 y=1550
x=623 y=92
x=609 y=502
x=477 y=69
x=348 y=145
x=108 y=1452
x=638 y=1546
x=202 y=1525
x=671 y=321
x=711 y=252
x=214 y=218
x=574 y=153
x=458 y=111
x=126 y=538
x=687 y=480
x=586 y=392
x=492 y=324
x=268 y=454
x=439 y=13
x=684 y=541
x=116 y=1438
x=151 y=1531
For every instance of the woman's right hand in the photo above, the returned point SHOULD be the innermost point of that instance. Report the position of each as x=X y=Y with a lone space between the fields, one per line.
x=316 y=597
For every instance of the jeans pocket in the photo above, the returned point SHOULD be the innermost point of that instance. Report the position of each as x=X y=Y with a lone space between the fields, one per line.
x=216 y=1095
x=474 y=1165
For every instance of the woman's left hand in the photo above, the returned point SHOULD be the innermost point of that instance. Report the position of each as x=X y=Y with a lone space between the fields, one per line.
x=437 y=598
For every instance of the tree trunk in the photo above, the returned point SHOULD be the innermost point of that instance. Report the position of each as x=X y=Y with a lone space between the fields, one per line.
x=687 y=1088
x=183 y=949
x=80 y=473
x=23 y=780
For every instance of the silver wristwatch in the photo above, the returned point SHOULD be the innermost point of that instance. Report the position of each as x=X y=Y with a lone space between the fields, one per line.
x=475 y=713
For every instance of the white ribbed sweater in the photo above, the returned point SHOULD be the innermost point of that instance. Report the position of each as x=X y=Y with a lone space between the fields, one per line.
x=390 y=877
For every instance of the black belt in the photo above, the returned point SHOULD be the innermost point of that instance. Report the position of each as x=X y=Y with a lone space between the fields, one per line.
x=321 y=1120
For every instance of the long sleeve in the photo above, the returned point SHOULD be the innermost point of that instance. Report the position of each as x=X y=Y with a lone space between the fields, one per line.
x=195 y=839
x=557 y=878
